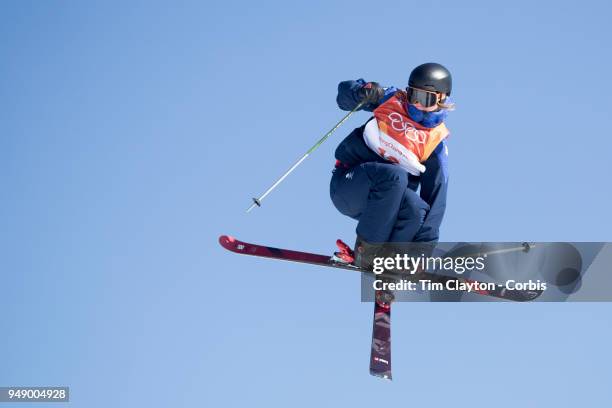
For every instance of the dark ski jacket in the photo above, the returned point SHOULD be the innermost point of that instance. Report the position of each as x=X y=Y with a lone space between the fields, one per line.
x=433 y=182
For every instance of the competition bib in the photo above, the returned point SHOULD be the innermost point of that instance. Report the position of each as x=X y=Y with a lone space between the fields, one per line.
x=399 y=139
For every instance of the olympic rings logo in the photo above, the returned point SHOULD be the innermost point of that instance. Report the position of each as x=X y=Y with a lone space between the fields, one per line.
x=399 y=124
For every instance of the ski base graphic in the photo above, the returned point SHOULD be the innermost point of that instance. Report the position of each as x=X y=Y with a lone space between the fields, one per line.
x=380 y=354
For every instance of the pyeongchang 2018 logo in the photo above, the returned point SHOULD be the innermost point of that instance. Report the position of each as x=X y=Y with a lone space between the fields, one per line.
x=399 y=124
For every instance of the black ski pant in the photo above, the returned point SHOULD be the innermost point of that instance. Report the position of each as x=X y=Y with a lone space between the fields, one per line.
x=378 y=196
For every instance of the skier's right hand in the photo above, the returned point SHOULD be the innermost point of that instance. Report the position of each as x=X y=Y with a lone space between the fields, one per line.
x=371 y=92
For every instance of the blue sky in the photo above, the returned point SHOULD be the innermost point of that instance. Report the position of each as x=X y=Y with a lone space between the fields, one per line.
x=134 y=133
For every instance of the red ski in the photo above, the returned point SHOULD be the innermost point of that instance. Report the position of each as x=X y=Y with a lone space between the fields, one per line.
x=380 y=357
x=245 y=248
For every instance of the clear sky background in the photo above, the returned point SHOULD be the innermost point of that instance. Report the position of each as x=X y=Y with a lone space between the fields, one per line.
x=133 y=134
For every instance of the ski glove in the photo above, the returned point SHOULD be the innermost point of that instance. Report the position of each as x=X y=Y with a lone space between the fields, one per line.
x=371 y=92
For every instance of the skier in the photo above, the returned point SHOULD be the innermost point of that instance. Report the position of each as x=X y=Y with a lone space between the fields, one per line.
x=380 y=165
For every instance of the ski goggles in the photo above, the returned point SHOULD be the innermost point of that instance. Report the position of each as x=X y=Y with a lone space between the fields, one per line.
x=425 y=98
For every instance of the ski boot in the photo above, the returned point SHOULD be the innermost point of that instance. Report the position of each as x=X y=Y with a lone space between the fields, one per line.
x=344 y=254
x=365 y=253
x=362 y=256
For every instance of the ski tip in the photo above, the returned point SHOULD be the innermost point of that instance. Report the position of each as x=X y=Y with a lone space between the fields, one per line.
x=226 y=240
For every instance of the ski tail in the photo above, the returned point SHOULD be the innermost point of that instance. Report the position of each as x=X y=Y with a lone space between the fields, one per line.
x=380 y=356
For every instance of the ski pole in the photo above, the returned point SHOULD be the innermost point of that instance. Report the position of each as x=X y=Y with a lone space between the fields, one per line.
x=257 y=201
